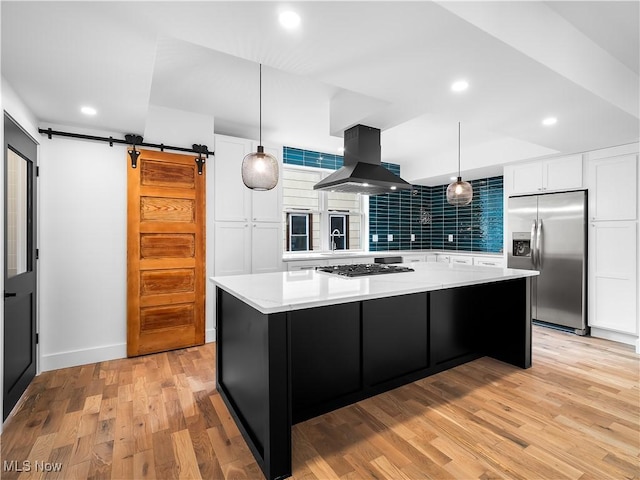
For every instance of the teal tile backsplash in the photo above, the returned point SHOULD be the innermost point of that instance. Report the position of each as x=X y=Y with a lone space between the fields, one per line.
x=424 y=212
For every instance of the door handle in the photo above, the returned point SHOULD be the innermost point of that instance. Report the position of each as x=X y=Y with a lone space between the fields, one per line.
x=539 y=244
x=532 y=242
x=9 y=294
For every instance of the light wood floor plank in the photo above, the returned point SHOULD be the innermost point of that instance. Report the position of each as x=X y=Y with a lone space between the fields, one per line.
x=574 y=415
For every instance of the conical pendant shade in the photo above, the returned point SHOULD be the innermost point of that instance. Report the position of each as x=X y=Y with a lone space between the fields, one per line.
x=260 y=169
x=459 y=193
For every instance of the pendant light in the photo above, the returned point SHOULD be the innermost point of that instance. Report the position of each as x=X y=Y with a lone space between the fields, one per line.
x=260 y=169
x=459 y=193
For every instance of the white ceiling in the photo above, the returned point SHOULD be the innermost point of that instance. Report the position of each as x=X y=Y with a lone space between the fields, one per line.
x=384 y=64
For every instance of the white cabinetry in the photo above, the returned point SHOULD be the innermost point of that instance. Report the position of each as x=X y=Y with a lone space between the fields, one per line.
x=248 y=223
x=489 y=261
x=443 y=258
x=612 y=188
x=613 y=284
x=612 y=183
x=461 y=260
x=412 y=257
x=564 y=173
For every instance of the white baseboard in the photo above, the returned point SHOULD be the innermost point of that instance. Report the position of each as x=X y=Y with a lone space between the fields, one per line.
x=616 y=337
x=210 y=335
x=74 y=358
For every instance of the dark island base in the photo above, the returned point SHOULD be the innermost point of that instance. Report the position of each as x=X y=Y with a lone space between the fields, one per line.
x=280 y=369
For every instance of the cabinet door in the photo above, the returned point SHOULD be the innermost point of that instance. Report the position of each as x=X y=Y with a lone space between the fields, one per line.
x=613 y=291
x=325 y=357
x=232 y=200
x=612 y=184
x=267 y=206
x=232 y=248
x=266 y=247
x=393 y=344
x=527 y=178
x=562 y=173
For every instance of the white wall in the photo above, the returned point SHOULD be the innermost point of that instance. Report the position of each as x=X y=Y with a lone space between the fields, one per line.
x=11 y=104
x=83 y=251
x=83 y=256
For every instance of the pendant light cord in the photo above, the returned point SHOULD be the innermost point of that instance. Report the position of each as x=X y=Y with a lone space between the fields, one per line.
x=260 y=124
x=459 y=151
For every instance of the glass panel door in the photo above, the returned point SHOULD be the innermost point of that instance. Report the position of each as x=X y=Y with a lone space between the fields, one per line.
x=17 y=215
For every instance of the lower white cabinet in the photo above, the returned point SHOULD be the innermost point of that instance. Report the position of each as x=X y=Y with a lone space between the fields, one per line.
x=412 y=258
x=247 y=247
x=443 y=258
x=461 y=260
x=489 y=261
x=613 y=288
x=266 y=247
x=295 y=266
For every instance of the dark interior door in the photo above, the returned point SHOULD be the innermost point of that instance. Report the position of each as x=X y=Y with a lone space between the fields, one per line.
x=19 y=262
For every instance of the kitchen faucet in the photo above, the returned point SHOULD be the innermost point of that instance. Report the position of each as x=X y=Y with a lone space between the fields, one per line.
x=333 y=236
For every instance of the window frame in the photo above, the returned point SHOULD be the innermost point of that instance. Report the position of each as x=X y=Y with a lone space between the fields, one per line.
x=345 y=230
x=291 y=235
x=324 y=214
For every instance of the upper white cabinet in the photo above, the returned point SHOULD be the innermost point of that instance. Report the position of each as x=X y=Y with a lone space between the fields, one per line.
x=233 y=200
x=248 y=223
x=612 y=188
x=555 y=174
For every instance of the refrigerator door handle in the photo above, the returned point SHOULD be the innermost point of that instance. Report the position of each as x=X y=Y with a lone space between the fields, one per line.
x=539 y=244
x=534 y=227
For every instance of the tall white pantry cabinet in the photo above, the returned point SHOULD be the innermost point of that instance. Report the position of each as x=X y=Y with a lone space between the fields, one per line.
x=247 y=223
x=611 y=178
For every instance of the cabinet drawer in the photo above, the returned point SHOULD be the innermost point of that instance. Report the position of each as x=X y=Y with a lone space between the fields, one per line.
x=488 y=262
x=297 y=266
x=462 y=260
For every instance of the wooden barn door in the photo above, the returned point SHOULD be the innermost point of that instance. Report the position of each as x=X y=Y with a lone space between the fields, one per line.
x=165 y=253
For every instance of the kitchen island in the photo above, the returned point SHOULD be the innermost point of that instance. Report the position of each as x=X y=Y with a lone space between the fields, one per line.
x=294 y=345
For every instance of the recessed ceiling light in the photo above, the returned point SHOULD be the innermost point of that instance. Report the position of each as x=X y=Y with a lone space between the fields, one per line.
x=340 y=149
x=550 y=121
x=88 y=110
x=459 y=86
x=289 y=19
x=393 y=187
x=453 y=178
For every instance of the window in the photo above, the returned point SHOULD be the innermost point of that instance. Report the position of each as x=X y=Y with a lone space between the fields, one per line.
x=338 y=231
x=299 y=238
x=316 y=220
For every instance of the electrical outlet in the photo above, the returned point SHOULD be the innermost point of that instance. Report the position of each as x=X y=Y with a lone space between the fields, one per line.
x=413 y=237
x=390 y=238
x=375 y=238
x=450 y=237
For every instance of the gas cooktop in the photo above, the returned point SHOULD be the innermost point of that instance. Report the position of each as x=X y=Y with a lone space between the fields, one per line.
x=362 y=269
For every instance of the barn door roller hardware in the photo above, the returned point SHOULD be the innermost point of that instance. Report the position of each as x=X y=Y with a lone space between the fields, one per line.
x=133 y=140
x=136 y=141
x=200 y=150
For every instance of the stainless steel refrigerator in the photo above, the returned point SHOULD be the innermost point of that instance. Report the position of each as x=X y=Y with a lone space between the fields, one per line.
x=548 y=233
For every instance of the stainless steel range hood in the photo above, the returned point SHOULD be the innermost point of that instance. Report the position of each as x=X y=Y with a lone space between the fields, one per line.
x=362 y=171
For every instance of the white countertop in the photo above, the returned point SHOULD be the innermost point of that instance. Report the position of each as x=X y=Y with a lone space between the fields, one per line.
x=283 y=291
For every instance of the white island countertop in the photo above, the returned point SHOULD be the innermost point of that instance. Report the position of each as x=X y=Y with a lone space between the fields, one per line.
x=284 y=291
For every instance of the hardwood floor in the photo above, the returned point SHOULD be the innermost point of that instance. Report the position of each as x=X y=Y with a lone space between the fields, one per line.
x=575 y=414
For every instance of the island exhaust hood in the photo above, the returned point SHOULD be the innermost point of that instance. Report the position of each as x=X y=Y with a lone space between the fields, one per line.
x=362 y=171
